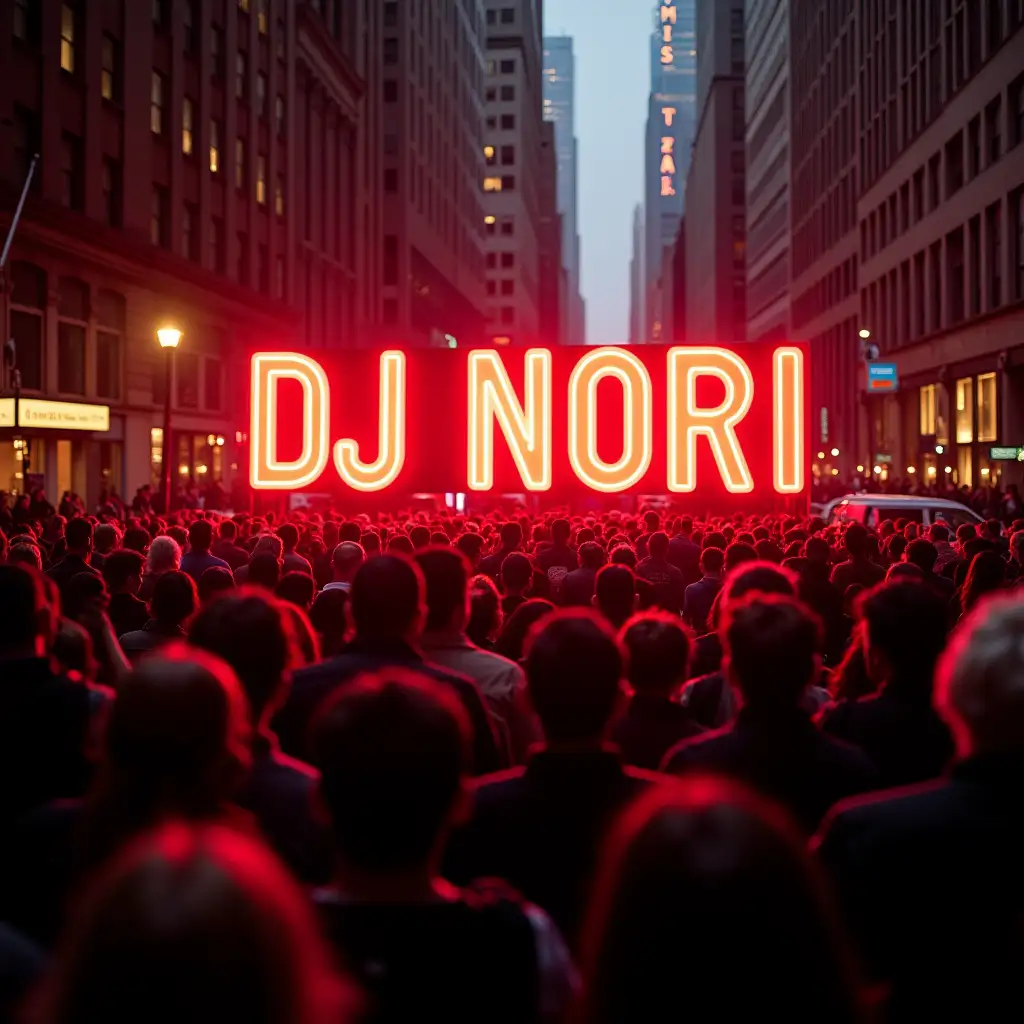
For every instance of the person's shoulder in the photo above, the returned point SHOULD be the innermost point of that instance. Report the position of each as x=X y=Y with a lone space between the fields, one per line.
x=498 y=788
x=697 y=750
x=641 y=778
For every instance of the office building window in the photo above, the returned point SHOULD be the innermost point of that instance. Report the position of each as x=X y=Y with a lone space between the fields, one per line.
x=240 y=163
x=280 y=42
x=243 y=258
x=508 y=15
x=279 y=277
x=160 y=14
x=994 y=129
x=158 y=216
x=508 y=67
x=508 y=182
x=261 y=94
x=213 y=373
x=262 y=18
x=508 y=287
x=214 y=146
x=189 y=22
x=928 y=405
x=22 y=25
x=279 y=196
x=71 y=171
x=217 y=51
x=508 y=155
x=508 y=227
x=508 y=122
x=508 y=260
x=109 y=76
x=187 y=379
x=28 y=306
x=241 y=75
x=1017 y=215
x=243 y=6
x=111 y=182
x=993 y=233
x=391 y=51
x=261 y=179
x=108 y=363
x=964 y=410
x=190 y=232
x=988 y=428
x=508 y=93
x=1017 y=111
x=72 y=312
x=186 y=126
x=508 y=314
x=156 y=104
x=67 y=38
x=492 y=288
x=279 y=116
x=492 y=184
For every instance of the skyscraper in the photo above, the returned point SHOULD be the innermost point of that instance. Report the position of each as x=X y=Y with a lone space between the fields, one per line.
x=671 y=121
x=637 y=279
x=560 y=108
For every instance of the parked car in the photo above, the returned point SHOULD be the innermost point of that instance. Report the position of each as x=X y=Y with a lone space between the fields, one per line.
x=872 y=509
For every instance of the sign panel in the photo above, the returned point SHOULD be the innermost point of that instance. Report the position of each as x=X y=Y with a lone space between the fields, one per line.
x=882 y=377
x=41 y=414
x=686 y=420
x=1002 y=453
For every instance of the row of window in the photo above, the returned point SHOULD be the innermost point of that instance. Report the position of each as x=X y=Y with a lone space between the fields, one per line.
x=508 y=287
x=505 y=183
x=507 y=259
x=507 y=94
x=505 y=155
x=504 y=16
x=976 y=414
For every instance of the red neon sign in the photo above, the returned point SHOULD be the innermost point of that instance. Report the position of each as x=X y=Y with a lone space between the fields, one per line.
x=701 y=420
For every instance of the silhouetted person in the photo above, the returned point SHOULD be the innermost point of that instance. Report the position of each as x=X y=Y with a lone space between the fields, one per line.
x=123 y=571
x=512 y=638
x=558 y=559
x=78 y=543
x=578 y=586
x=858 y=567
x=615 y=595
x=214 y=582
x=700 y=596
x=516 y=581
x=174 y=602
x=226 y=547
x=345 y=562
x=291 y=560
x=667 y=581
x=198 y=559
x=511 y=540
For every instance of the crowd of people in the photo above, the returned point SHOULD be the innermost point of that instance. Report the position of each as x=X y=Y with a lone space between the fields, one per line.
x=508 y=768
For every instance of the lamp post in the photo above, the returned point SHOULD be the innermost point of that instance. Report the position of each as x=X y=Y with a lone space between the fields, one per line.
x=168 y=338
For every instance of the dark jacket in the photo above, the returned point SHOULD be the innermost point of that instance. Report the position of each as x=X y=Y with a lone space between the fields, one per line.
x=783 y=757
x=541 y=827
x=900 y=731
x=826 y=601
x=578 y=587
x=195 y=563
x=313 y=685
x=292 y=561
x=650 y=727
x=857 y=570
x=697 y=601
x=68 y=567
x=667 y=581
x=151 y=637
x=684 y=554
x=491 y=565
x=930 y=882
x=127 y=613
x=235 y=556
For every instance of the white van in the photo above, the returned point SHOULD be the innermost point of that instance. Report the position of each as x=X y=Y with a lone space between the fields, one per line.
x=872 y=509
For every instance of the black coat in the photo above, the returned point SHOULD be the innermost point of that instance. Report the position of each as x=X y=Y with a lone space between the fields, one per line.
x=650 y=727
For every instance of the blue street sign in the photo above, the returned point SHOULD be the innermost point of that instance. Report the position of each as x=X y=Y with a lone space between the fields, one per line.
x=882 y=377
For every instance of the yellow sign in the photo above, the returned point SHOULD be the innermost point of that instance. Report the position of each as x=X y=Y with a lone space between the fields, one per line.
x=38 y=413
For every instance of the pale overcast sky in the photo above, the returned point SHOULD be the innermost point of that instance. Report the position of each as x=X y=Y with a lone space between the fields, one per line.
x=612 y=82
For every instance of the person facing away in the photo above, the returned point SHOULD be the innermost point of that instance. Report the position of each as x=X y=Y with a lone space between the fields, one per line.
x=253 y=634
x=540 y=827
x=615 y=595
x=163 y=556
x=929 y=875
x=195 y=923
x=706 y=894
x=772 y=654
x=291 y=560
x=858 y=567
x=511 y=540
x=394 y=755
x=345 y=561
x=122 y=572
x=668 y=582
x=700 y=596
x=501 y=682
x=78 y=542
x=387 y=607
x=174 y=602
x=558 y=559
x=198 y=559
x=658 y=650
x=903 y=631
x=516 y=581
x=226 y=548
x=578 y=586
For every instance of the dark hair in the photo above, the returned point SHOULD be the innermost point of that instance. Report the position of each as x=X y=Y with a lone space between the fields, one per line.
x=561 y=531
x=78 y=535
x=350 y=531
x=446 y=574
x=659 y=652
x=987 y=574
x=615 y=590
x=370 y=543
x=174 y=598
x=759 y=578
x=850 y=678
x=657 y=544
x=392 y=750
x=511 y=535
x=855 y=540
x=921 y=553
x=623 y=554
x=484 y=610
x=759 y=932
x=388 y=594
x=574 y=669
x=82 y=590
x=419 y=536
x=200 y=535
x=512 y=638
x=228 y=529
x=327 y=617
x=516 y=570
x=712 y=560
x=135 y=539
x=120 y=566
x=401 y=545
x=197 y=924
x=470 y=544
x=771 y=642
x=938 y=532
x=289 y=535
x=592 y=555
x=251 y=633
x=213 y=581
x=738 y=553
x=264 y=570
x=715 y=539
x=908 y=623
x=297 y=588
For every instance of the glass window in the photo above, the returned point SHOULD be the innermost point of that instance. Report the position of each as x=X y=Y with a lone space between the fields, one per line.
x=27 y=332
x=158 y=216
x=988 y=429
x=108 y=364
x=67 y=39
x=279 y=115
x=965 y=467
x=20 y=28
x=186 y=372
x=214 y=146
x=186 y=126
x=156 y=104
x=212 y=385
x=108 y=70
x=928 y=410
x=262 y=21
x=964 y=411
x=492 y=184
x=261 y=94
x=261 y=179
x=71 y=358
x=239 y=163
x=279 y=196
x=241 y=74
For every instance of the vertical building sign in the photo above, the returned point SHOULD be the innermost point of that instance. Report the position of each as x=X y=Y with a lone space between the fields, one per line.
x=668 y=141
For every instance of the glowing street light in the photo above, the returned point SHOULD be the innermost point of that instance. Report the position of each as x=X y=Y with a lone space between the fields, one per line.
x=835 y=453
x=169 y=338
x=821 y=455
x=864 y=333
x=911 y=470
x=860 y=469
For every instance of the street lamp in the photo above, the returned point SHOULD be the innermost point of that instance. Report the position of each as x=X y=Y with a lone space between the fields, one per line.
x=169 y=337
x=864 y=333
x=835 y=453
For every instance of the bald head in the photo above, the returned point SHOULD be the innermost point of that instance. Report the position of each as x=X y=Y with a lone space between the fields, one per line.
x=347 y=558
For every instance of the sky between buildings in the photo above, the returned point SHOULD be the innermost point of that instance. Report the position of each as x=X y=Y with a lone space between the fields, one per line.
x=611 y=42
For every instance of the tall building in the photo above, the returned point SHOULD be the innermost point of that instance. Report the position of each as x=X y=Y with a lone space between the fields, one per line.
x=196 y=167
x=513 y=172
x=637 y=279
x=715 y=186
x=429 y=111
x=824 y=301
x=671 y=121
x=560 y=108
x=553 y=278
x=940 y=132
x=768 y=169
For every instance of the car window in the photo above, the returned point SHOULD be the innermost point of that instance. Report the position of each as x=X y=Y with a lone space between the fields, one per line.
x=849 y=513
x=954 y=517
x=912 y=515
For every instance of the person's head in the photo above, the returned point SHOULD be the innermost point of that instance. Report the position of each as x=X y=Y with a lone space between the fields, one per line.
x=987 y=573
x=623 y=554
x=446 y=575
x=966 y=532
x=400 y=545
x=923 y=554
x=516 y=573
x=758 y=578
x=484 y=611
x=296 y=588
x=817 y=552
x=1016 y=547
x=512 y=638
x=350 y=531
x=561 y=531
x=657 y=545
x=394 y=755
x=712 y=561
x=511 y=536
x=27 y=555
x=470 y=544
x=174 y=599
x=289 y=535
x=213 y=582
x=200 y=536
x=855 y=540
x=228 y=530
x=904 y=630
x=771 y=650
x=658 y=648
x=84 y=591
x=980 y=679
x=106 y=537
x=327 y=617
x=193 y=923
x=78 y=537
x=738 y=553
x=574 y=669
x=938 y=533
x=136 y=539
x=27 y=623
x=123 y=571
x=759 y=926
x=592 y=555
x=264 y=569
x=419 y=536
x=164 y=555
x=388 y=600
x=251 y=632
x=269 y=544
x=615 y=594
